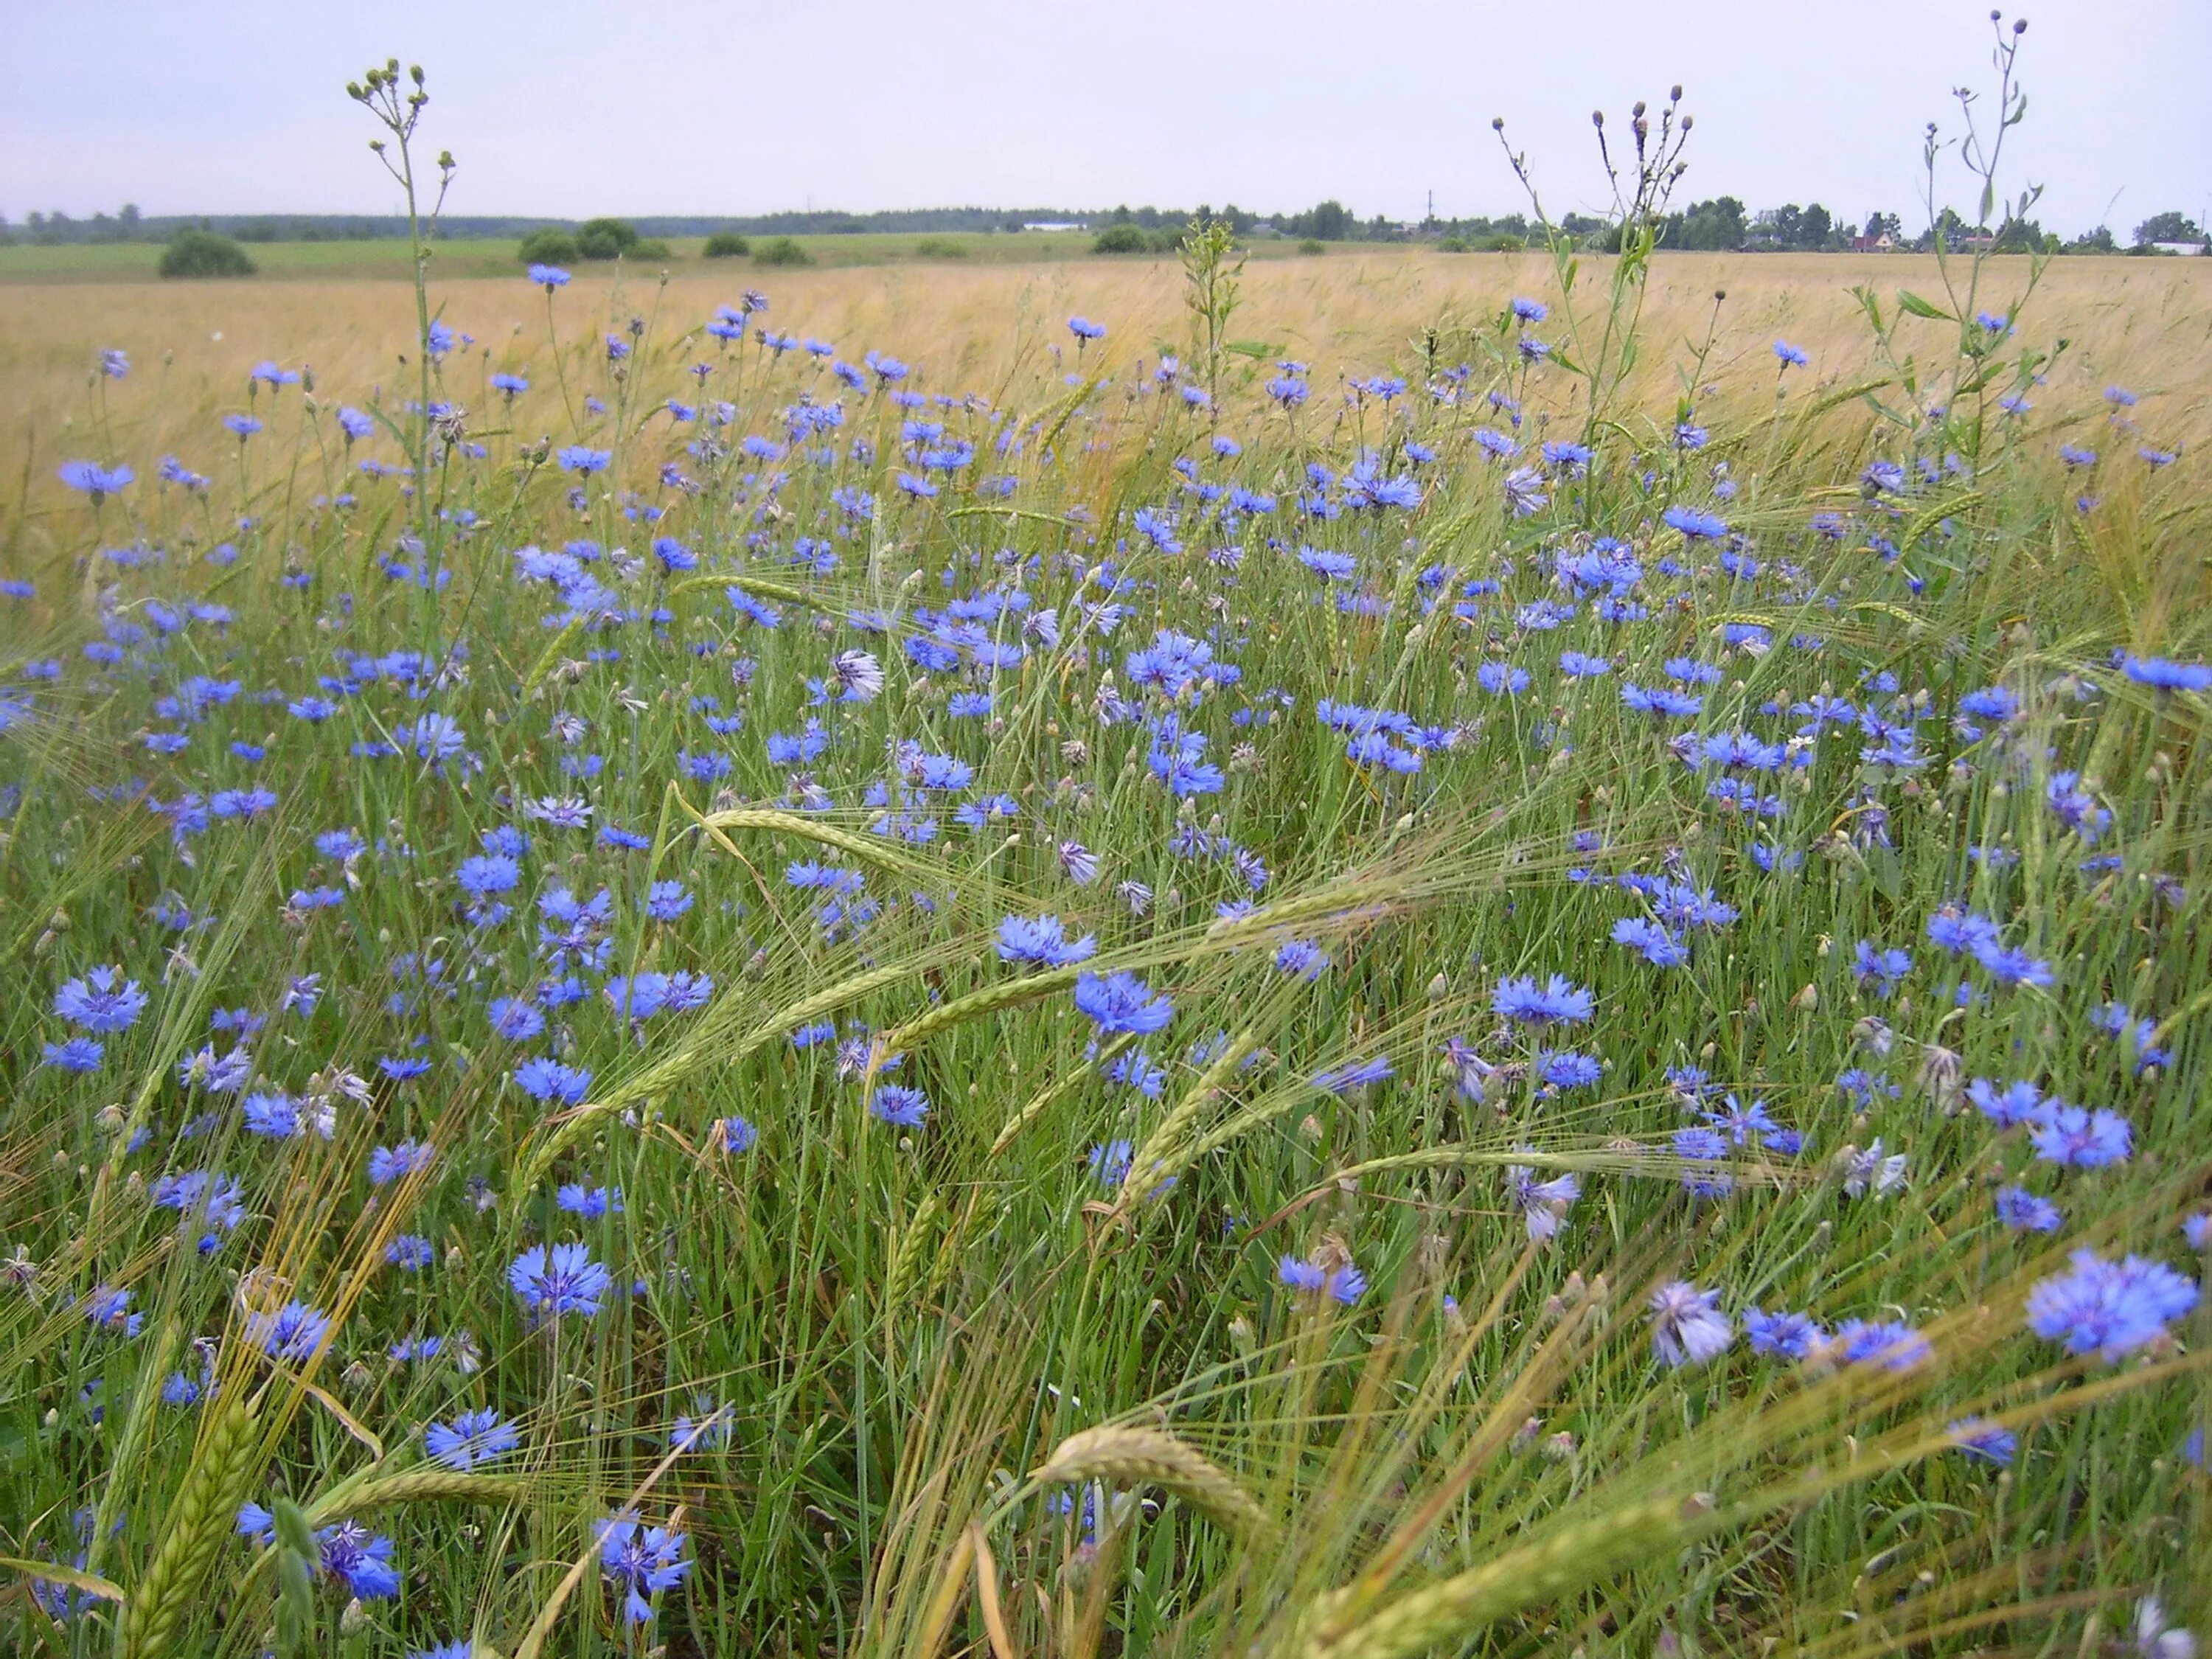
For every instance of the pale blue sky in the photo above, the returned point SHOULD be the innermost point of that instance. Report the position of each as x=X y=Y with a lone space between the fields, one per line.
x=565 y=108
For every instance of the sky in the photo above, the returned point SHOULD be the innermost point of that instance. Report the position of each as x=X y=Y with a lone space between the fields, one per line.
x=569 y=108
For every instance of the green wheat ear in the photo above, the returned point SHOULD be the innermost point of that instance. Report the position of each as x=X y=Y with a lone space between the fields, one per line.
x=1151 y=1457
x=175 y=1579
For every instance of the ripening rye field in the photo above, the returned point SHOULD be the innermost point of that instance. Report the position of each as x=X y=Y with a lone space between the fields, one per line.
x=1429 y=956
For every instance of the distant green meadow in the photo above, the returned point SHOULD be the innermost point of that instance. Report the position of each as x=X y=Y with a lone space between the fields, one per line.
x=93 y=262
x=1167 y=1008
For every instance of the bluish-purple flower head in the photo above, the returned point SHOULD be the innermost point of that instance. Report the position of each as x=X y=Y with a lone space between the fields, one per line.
x=1121 y=1004
x=554 y=1281
x=1556 y=1001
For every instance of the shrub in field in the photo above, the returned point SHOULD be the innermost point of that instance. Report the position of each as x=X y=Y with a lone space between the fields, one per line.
x=726 y=245
x=1122 y=239
x=1312 y=244
x=940 y=247
x=549 y=247
x=783 y=250
x=203 y=253
x=606 y=238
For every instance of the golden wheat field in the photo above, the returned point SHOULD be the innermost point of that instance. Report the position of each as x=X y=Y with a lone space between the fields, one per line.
x=2146 y=322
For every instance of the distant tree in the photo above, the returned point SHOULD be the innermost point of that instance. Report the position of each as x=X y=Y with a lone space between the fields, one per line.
x=256 y=230
x=783 y=252
x=1121 y=237
x=1707 y=227
x=2167 y=228
x=1879 y=225
x=605 y=238
x=726 y=245
x=2099 y=240
x=1328 y=222
x=1776 y=228
x=2020 y=236
x=129 y=214
x=1813 y=230
x=550 y=245
x=203 y=253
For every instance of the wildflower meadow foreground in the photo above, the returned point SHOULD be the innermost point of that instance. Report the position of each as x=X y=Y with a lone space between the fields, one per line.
x=680 y=986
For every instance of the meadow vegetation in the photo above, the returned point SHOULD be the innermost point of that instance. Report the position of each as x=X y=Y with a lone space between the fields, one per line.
x=1415 y=953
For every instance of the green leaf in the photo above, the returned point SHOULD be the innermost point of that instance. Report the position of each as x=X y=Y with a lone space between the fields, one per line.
x=53 y=1573
x=1909 y=302
x=1253 y=349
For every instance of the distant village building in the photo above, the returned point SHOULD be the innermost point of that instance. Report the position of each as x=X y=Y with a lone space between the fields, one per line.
x=2183 y=249
x=1054 y=224
x=1884 y=243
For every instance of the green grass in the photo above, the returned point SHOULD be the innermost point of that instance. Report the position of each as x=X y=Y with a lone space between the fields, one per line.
x=889 y=1328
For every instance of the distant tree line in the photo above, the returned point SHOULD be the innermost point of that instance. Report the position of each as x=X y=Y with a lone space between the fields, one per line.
x=1724 y=223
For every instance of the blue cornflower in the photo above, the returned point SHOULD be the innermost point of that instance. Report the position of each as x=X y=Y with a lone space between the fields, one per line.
x=294 y=1332
x=1687 y=1327
x=643 y=1560
x=592 y=1203
x=549 y=1081
x=1555 y=1001
x=583 y=459
x=1653 y=942
x=2109 y=1308
x=1121 y=1004
x=2009 y=965
x=1084 y=329
x=548 y=277
x=1355 y=1075
x=1983 y=1441
x=487 y=873
x=896 y=1104
x=471 y=1440
x=1694 y=525
x=2084 y=1138
x=1793 y=1335
x=1564 y=1068
x=736 y=1135
x=1043 y=941
x=2163 y=675
x=103 y=1000
x=390 y=1164
x=1543 y=1204
x=1879 y=970
x=1109 y=1161
x=95 y=480
x=1791 y=356
x=668 y=900
x=363 y=1559
x=1895 y=1347
x=2023 y=1212
x=557 y=1281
